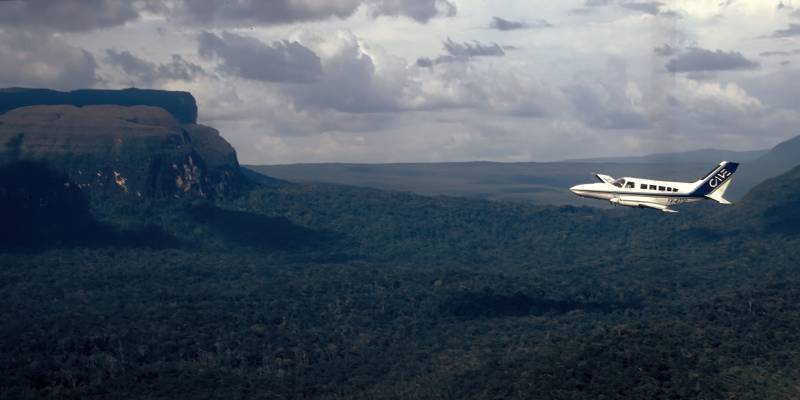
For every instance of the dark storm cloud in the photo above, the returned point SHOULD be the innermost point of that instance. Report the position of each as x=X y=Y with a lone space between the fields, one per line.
x=66 y=15
x=239 y=12
x=252 y=59
x=696 y=60
x=41 y=60
x=792 y=30
x=145 y=73
x=462 y=52
x=508 y=25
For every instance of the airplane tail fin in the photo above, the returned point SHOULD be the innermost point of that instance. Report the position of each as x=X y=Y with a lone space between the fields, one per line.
x=714 y=185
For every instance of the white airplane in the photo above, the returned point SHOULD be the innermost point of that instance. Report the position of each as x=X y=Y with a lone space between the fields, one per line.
x=639 y=192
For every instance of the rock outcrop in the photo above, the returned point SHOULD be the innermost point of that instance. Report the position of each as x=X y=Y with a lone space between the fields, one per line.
x=181 y=105
x=137 y=151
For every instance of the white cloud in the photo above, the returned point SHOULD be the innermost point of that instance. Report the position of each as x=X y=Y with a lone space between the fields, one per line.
x=337 y=80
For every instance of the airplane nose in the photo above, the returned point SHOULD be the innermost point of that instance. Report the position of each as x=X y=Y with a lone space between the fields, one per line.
x=574 y=189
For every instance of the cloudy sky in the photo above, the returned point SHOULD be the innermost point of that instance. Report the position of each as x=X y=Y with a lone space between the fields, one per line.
x=434 y=80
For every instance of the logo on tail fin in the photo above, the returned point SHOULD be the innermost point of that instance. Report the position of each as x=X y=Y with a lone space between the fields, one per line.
x=717 y=178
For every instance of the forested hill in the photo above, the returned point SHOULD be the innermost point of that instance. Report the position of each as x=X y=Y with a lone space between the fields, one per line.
x=324 y=291
x=137 y=261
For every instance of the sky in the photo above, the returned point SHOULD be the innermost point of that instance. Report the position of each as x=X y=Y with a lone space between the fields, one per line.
x=298 y=81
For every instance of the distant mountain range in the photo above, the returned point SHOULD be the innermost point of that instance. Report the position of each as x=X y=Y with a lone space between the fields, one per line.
x=541 y=183
x=694 y=156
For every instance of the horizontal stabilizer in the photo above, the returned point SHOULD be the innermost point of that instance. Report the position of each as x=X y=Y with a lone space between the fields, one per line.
x=719 y=192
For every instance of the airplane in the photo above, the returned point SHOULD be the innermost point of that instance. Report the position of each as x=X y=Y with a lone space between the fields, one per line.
x=660 y=195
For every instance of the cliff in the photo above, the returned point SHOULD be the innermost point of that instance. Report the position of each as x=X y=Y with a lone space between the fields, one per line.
x=137 y=151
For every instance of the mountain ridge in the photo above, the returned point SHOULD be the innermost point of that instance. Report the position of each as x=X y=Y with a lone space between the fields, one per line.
x=532 y=182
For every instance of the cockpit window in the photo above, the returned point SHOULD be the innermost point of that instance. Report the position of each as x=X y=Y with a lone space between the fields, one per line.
x=619 y=182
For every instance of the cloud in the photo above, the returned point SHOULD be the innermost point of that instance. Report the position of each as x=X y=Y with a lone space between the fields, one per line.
x=141 y=72
x=602 y=106
x=42 y=60
x=66 y=15
x=697 y=60
x=508 y=25
x=180 y=70
x=462 y=52
x=253 y=12
x=425 y=62
x=665 y=50
x=418 y=10
x=474 y=49
x=647 y=8
x=356 y=79
x=771 y=53
x=792 y=30
x=777 y=89
x=249 y=58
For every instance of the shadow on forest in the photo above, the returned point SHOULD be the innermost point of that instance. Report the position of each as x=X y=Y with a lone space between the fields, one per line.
x=488 y=305
x=41 y=208
x=251 y=229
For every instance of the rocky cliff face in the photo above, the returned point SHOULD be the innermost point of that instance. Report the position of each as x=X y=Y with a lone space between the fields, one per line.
x=137 y=151
x=181 y=105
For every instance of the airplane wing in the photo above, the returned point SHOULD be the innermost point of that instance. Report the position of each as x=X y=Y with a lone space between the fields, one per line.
x=625 y=201
x=657 y=207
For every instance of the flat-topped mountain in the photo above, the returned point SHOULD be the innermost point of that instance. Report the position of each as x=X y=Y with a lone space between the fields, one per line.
x=140 y=151
x=181 y=105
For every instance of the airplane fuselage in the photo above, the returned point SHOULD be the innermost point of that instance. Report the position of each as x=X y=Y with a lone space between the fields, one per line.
x=664 y=193
x=657 y=194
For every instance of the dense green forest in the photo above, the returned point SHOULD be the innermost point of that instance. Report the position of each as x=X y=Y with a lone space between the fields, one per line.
x=331 y=292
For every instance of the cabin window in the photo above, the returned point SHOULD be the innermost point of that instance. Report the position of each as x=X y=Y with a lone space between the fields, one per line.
x=661 y=188
x=630 y=185
x=652 y=187
x=644 y=186
x=673 y=190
